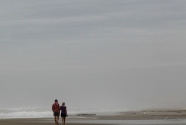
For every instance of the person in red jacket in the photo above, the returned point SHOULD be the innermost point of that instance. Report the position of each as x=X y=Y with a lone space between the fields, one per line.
x=56 y=111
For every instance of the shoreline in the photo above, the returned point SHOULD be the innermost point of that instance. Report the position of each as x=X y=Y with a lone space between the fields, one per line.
x=133 y=115
x=144 y=116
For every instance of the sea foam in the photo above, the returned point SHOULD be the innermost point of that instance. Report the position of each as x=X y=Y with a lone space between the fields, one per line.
x=47 y=112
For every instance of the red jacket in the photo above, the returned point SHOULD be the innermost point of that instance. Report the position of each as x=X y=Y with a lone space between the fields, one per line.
x=56 y=107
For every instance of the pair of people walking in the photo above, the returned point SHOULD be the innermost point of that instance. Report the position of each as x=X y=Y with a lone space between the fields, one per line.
x=56 y=110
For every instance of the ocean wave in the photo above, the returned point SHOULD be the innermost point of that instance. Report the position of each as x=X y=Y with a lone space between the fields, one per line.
x=47 y=113
x=25 y=114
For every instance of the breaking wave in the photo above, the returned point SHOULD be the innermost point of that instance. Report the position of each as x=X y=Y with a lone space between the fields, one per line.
x=47 y=113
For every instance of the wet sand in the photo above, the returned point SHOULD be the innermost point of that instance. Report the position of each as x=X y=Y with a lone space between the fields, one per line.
x=43 y=121
x=148 y=115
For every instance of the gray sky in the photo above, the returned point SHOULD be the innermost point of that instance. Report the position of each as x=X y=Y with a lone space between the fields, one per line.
x=127 y=54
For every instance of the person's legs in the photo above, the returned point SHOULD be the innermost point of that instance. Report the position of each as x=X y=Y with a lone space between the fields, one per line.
x=57 y=119
x=64 y=120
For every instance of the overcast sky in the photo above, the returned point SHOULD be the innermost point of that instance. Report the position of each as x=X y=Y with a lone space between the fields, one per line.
x=127 y=54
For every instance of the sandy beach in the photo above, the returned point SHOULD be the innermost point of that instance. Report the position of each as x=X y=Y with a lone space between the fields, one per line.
x=132 y=117
x=42 y=121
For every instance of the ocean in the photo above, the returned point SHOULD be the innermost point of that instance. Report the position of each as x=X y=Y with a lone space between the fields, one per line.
x=46 y=112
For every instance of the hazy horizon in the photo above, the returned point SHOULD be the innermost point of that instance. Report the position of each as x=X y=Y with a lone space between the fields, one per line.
x=93 y=54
